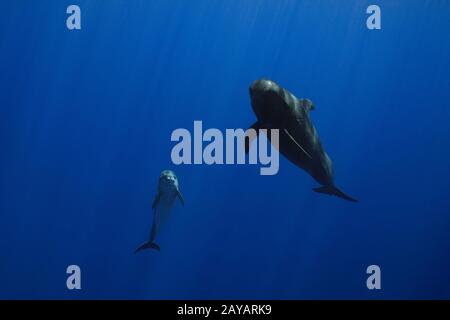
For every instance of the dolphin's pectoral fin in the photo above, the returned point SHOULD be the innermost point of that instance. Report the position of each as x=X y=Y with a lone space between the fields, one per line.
x=180 y=196
x=298 y=144
x=251 y=136
x=156 y=200
x=334 y=191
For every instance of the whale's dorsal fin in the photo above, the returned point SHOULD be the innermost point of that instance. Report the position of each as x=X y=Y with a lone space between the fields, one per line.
x=298 y=144
x=248 y=141
x=180 y=196
x=156 y=200
x=307 y=104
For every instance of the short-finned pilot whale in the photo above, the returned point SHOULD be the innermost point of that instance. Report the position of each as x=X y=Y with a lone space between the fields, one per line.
x=168 y=192
x=277 y=108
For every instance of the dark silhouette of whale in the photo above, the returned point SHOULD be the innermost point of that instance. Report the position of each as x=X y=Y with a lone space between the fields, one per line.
x=277 y=108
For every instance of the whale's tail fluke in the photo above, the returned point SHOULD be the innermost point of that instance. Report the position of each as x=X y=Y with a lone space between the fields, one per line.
x=147 y=245
x=331 y=190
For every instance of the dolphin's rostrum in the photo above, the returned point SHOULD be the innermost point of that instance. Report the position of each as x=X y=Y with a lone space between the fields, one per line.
x=168 y=192
x=277 y=108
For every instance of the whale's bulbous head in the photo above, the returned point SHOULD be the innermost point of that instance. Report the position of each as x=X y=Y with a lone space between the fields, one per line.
x=168 y=180
x=262 y=87
x=266 y=97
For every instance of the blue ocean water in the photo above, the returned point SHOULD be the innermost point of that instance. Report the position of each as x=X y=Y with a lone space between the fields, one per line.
x=85 y=124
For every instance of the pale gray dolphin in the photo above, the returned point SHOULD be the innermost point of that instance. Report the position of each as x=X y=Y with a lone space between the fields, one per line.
x=277 y=108
x=168 y=192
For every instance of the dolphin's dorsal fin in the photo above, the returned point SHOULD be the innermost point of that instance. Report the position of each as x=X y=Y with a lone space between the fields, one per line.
x=248 y=141
x=298 y=144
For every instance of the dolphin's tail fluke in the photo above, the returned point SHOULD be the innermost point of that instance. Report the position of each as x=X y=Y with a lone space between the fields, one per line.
x=147 y=245
x=331 y=190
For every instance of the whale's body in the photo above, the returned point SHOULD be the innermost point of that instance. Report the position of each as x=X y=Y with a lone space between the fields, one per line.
x=168 y=192
x=277 y=108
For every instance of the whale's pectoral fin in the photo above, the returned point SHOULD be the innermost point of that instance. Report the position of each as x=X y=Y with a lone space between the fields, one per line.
x=180 y=196
x=334 y=191
x=285 y=134
x=251 y=135
x=156 y=200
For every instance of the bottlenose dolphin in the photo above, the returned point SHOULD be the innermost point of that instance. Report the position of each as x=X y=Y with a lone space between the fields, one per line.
x=168 y=191
x=277 y=108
